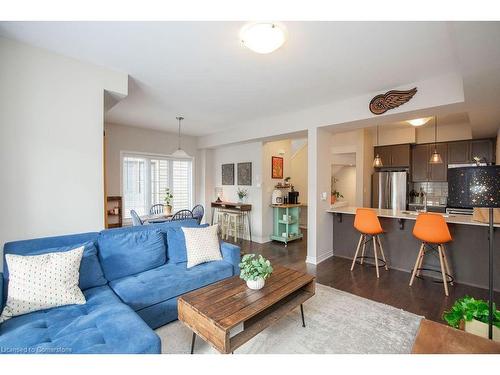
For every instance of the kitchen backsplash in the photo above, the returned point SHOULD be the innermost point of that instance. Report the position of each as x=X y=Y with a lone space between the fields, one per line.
x=437 y=192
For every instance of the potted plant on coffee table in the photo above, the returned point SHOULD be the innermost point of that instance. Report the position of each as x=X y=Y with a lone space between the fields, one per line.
x=168 y=199
x=472 y=315
x=255 y=269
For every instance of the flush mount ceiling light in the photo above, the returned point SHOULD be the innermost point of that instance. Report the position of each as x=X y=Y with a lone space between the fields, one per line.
x=419 y=121
x=263 y=37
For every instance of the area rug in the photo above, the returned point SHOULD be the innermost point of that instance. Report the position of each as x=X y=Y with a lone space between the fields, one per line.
x=336 y=322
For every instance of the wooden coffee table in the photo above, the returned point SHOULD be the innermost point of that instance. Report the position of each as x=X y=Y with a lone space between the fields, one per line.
x=213 y=311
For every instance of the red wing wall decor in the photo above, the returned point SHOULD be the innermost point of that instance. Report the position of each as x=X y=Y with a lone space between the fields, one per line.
x=390 y=100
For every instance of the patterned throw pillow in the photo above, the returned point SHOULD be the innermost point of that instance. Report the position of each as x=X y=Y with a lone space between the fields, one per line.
x=202 y=245
x=39 y=282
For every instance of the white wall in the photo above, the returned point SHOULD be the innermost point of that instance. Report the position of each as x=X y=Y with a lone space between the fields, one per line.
x=358 y=142
x=445 y=133
x=298 y=165
x=346 y=182
x=299 y=178
x=51 y=142
x=248 y=152
x=128 y=138
x=319 y=222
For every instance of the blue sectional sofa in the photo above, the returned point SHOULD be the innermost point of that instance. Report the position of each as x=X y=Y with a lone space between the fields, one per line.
x=131 y=278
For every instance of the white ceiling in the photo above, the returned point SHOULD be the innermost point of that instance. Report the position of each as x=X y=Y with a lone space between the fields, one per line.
x=201 y=70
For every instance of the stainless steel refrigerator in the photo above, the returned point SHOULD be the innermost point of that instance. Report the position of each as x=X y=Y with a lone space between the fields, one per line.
x=389 y=190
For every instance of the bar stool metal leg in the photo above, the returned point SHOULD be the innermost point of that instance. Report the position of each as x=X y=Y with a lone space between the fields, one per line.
x=382 y=252
x=375 y=255
x=420 y=255
x=192 y=342
x=361 y=238
x=443 y=273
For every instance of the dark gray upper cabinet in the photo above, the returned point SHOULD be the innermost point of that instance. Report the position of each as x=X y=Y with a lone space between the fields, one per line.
x=465 y=151
x=459 y=152
x=420 y=163
x=439 y=172
x=394 y=156
x=422 y=170
x=400 y=155
x=483 y=149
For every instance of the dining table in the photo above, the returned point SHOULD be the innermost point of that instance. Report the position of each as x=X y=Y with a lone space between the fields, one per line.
x=157 y=218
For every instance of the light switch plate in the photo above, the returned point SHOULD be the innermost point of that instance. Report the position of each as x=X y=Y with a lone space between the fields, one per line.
x=324 y=196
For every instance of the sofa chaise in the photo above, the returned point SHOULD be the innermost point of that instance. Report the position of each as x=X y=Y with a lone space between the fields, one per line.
x=131 y=278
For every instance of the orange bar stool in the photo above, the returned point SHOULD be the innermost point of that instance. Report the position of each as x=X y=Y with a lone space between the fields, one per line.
x=366 y=222
x=432 y=230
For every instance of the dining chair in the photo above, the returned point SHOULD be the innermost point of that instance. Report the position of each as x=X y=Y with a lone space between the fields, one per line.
x=136 y=220
x=198 y=212
x=156 y=209
x=182 y=215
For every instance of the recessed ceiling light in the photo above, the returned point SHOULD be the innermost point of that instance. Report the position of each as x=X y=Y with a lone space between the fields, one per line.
x=419 y=121
x=263 y=37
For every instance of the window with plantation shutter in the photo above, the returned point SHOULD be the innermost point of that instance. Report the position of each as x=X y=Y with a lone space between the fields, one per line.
x=146 y=177
x=181 y=183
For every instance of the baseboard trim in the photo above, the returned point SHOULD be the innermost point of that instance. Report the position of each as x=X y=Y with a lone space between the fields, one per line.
x=319 y=259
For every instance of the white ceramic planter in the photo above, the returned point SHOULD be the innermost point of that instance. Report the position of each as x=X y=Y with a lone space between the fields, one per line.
x=481 y=329
x=256 y=284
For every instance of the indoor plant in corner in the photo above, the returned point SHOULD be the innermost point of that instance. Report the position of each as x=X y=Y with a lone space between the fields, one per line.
x=472 y=315
x=169 y=197
x=255 y=269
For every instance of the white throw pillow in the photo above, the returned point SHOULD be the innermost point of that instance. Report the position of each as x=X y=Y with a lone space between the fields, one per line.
x=202 y=245
x=39 y=282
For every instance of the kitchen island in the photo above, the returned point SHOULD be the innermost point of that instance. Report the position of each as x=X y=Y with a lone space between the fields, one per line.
x=468 y=252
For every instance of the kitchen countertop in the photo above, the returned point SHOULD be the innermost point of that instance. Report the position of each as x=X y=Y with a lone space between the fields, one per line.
x=396 y=214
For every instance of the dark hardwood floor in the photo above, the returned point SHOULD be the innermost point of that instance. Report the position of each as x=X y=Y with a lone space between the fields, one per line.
x=425 y=297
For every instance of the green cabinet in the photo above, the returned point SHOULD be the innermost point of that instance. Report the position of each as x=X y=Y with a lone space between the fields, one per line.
x=286 y=223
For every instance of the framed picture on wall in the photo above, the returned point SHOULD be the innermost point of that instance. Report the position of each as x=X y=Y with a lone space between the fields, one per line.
x=245 y=173
x=228 y=174
x=277 y=167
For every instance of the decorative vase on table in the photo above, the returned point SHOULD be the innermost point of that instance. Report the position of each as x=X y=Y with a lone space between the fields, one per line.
x=167 y=210
x=256 y=284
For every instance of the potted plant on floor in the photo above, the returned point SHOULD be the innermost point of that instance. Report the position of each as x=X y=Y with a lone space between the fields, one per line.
x=168 y=199
x=472 y=315
x=255 y=269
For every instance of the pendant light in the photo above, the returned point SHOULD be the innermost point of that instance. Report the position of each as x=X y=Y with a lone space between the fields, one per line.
x=435 y=157
x=377 y=162
x=180 y=153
